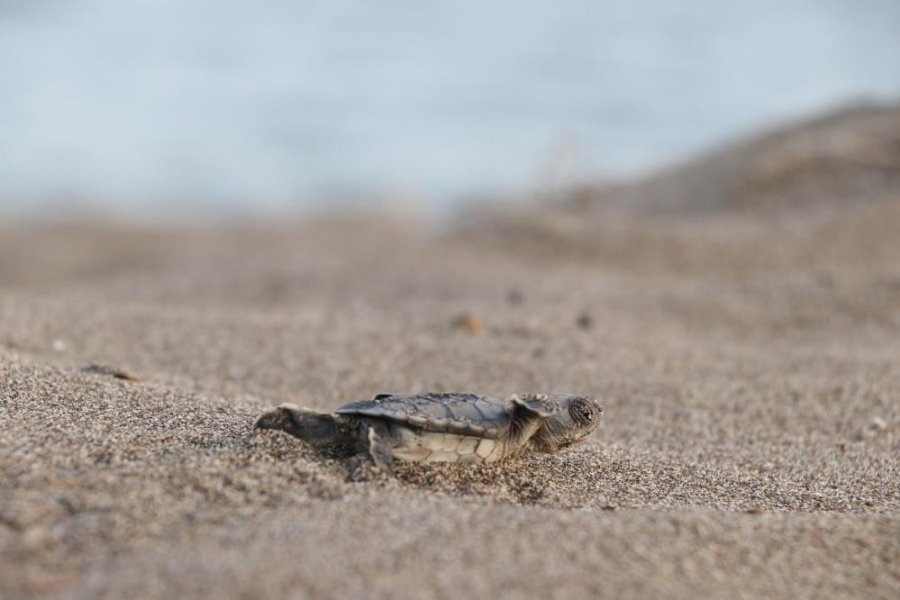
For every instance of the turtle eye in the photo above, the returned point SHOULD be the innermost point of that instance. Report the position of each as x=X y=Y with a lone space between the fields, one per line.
x=581 y=413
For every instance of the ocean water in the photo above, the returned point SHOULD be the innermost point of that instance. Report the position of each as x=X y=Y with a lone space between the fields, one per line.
x=216 y=106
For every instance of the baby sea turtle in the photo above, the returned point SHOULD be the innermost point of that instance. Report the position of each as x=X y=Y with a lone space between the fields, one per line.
x=443 y=427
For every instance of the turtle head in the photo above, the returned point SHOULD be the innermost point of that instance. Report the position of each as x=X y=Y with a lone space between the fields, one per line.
x=575 y=419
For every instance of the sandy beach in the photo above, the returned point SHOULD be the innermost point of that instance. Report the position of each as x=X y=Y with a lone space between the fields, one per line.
x=738 y=317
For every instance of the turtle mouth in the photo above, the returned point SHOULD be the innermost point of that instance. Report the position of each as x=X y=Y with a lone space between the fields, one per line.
x=579 y=438
x=572 y=439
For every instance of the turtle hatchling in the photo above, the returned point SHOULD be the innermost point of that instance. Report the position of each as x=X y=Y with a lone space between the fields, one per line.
x=443 y=427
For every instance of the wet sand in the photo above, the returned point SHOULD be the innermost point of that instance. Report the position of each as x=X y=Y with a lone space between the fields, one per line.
x=747 y=356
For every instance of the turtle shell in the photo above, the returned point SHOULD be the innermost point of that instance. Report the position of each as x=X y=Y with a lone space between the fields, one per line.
x=461 y=414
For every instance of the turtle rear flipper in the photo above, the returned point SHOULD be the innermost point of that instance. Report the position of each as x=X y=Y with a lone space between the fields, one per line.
x=310 y=426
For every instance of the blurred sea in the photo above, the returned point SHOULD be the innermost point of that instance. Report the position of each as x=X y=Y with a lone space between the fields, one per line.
x=207 y=107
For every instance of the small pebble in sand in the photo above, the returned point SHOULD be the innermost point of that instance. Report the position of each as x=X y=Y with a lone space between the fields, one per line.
x=470 y=323
x=58 y=345
x=761 y=467
x=878 y=424
x=39 y=539
x=96 y=369
x=584 y=321
x=515 y=297
x=874 y=427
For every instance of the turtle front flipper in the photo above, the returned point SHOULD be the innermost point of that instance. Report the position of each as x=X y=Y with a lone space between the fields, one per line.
x=310 y=426
x=528 y=415
x=380 y=450
x=540 y=405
